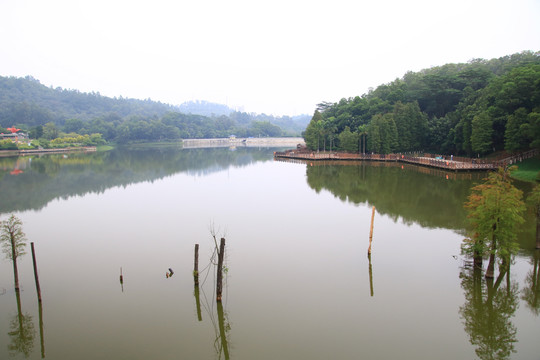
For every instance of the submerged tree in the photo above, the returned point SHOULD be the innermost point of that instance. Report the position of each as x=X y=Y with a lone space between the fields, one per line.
x=13 y=242
x=495 y=211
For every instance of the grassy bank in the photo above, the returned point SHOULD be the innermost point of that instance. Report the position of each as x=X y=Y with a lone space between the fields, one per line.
x=104 y=147
x=528 y=170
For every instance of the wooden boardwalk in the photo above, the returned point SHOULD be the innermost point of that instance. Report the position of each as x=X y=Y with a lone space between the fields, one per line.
x=445 y=162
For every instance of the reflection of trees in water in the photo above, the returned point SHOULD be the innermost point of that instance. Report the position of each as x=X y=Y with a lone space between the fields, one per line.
x=531 y=293
x=415 y=196
x=487 y=312
x=22 y=332
x=61 y=176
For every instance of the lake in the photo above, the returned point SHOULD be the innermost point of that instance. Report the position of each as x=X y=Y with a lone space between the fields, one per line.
x=298 y=282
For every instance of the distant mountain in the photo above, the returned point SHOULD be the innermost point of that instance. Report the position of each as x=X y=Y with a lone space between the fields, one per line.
x=205 y=108
x=291 y=125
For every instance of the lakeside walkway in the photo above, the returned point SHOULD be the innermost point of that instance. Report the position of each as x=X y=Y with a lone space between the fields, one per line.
x=445 y=162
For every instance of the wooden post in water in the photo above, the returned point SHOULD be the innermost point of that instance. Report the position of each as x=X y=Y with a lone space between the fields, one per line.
x=370 y=276
x=121 y=279
x=220 y=270
x=38 y=289
x=196 y=266
x=371 y=230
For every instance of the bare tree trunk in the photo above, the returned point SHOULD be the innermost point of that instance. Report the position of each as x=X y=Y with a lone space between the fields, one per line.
x=14 y=259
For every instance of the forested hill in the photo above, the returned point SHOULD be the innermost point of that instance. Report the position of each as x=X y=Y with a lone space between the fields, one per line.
x=471 y=108
x=27 y=101
x=32 y=107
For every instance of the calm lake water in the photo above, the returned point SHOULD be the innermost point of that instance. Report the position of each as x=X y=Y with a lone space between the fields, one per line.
x=298 y=282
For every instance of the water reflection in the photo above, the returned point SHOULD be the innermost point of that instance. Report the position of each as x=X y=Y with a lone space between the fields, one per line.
x=41 y=334
x=196 y=293
x=531 y=293
x=487 y=312
x=52 y=176
x=21 y=332
x=370 y=270
x=395 y=191
x=222 y=346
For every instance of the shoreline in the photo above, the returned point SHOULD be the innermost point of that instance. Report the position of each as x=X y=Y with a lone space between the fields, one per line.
x=7 y=153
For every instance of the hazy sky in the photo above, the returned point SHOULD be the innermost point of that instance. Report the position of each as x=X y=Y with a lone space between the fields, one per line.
x=279 y=57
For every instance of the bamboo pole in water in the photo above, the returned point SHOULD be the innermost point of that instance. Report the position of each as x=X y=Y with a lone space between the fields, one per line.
x=371 y=230
x=38 y=289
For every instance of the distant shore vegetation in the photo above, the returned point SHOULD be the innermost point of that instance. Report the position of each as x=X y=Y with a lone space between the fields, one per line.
x=472 y=109
x=47 y=113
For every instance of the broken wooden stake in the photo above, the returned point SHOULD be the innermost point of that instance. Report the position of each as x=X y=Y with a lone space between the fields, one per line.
x=220 y=270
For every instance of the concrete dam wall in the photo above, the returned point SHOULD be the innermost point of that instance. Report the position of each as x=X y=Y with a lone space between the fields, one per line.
x=237 y=142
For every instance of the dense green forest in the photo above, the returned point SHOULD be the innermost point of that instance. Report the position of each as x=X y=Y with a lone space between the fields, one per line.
x=469 y=109
x=48 y=113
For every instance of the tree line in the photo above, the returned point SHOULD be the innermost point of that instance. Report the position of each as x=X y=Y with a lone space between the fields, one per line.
x=469 y=109
x=48 y=113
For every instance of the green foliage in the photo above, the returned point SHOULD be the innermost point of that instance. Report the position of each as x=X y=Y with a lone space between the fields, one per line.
x=313 y=131
x=348 y=141
x=12 y=238
x=472 y=108
x=383 y=138
x=50 y=131
x=481 y=133
x=264 y=129
x=495 y=211
x=7 y=145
